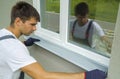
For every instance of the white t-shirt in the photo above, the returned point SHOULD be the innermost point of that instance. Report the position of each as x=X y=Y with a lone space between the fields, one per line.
x=13 y=56
x=80 y=31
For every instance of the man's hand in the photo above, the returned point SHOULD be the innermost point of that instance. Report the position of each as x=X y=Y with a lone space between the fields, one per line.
x=95 y=74
x=30 y=41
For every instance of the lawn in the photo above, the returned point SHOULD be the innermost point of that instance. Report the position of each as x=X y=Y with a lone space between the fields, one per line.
x=105 y=10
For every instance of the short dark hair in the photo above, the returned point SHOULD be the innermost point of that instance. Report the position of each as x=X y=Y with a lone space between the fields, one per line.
x=24 y=11
x=81 y=9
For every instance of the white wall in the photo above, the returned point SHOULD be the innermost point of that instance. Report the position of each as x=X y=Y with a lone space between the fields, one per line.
x=114 y=68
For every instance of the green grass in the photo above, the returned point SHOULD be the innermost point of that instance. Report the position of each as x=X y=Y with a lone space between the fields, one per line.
x=105 y=10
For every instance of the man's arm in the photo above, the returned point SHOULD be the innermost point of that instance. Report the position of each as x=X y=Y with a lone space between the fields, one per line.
x=37 y=72
x=107 y=42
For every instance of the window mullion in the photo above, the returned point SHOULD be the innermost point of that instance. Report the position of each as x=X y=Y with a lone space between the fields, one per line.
x=64 y=6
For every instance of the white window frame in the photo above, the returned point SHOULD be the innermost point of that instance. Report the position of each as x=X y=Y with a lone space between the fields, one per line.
x=58 y=44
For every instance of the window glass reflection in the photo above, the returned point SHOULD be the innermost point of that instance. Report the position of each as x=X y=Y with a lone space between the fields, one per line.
x=92 y=23
x=51 y=16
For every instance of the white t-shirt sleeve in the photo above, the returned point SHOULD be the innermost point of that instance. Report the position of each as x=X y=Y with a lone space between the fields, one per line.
x=19 y=57
x=98 y=30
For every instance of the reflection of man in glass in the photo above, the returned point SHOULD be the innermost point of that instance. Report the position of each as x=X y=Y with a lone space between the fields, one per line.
x=83 y=28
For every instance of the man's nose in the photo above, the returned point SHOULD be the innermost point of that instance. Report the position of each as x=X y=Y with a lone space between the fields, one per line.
x=82 y=19
x=34 y=28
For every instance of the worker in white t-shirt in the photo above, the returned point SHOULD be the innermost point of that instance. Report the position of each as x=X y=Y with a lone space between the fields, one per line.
x=15 y=57
x=85 y=29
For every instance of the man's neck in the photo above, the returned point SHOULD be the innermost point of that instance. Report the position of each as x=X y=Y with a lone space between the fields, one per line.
x=81 y=23
x=14 y=31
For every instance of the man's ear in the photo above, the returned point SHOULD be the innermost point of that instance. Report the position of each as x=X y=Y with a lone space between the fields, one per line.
x=18 y=21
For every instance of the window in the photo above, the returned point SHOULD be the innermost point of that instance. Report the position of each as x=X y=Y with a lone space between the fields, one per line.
x=102 y=12
x=51 y=16
x=55 y=35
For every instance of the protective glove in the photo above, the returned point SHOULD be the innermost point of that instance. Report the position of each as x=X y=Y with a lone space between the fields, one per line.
x=95 y=74
x=30 y=41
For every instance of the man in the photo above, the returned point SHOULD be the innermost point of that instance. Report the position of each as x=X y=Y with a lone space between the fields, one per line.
x=15 y=57
x=85 y=29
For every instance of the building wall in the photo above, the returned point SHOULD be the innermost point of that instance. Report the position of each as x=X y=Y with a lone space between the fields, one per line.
x=114 y=67
x=5 y=8
x=51 y=62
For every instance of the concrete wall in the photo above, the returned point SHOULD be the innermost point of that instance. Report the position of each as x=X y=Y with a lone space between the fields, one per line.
x=51 y=62
x=5 y=9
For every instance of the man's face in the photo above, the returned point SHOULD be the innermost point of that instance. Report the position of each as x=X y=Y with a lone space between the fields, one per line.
x=82 y=20
x=28 y=27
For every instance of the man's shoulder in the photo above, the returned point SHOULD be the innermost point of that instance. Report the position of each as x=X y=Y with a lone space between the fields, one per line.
x=72 y=21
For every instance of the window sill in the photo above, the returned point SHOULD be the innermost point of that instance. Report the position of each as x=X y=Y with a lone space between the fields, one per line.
x=71 y=56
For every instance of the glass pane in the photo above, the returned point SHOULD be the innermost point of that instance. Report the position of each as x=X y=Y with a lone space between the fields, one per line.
x=98 y=35
x=51 y=15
